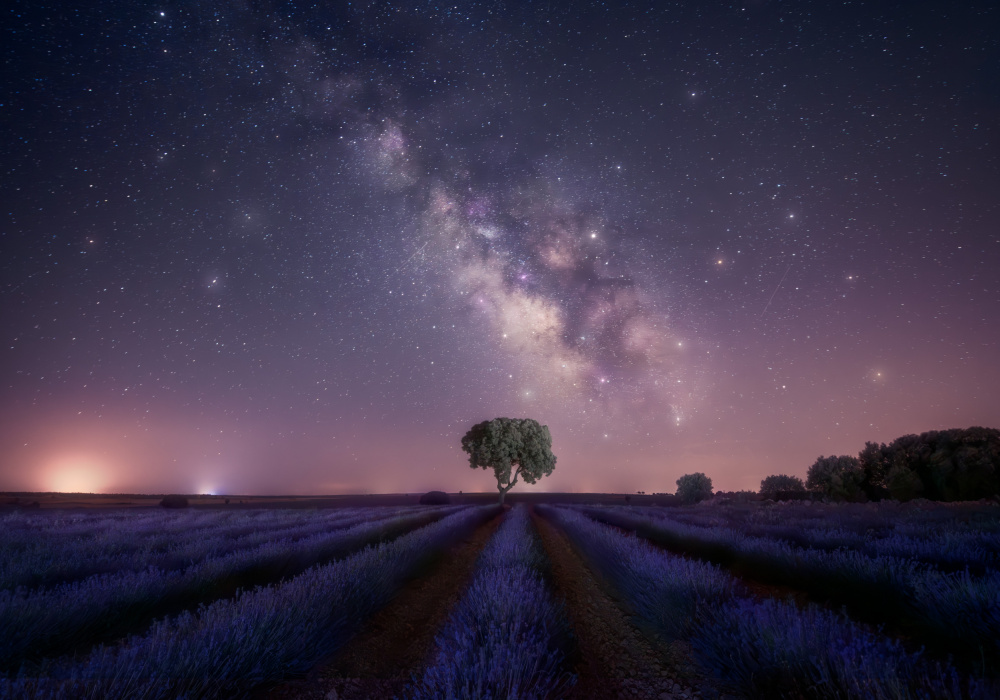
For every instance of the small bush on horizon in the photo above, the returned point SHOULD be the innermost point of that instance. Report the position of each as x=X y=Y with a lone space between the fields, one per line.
x=692 y=488
x=174 y=500
x=435 y=498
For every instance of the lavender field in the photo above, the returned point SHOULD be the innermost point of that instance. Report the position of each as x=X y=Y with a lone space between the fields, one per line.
x=741 y=600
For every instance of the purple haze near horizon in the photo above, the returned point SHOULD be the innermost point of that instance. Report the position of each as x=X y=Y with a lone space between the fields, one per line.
x=282 y=249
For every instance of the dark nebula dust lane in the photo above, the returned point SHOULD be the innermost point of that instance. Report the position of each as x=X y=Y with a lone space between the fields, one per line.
x=280 y=247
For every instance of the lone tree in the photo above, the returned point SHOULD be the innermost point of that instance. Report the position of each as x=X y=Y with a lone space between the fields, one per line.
x=692 y=488
x=505 y=444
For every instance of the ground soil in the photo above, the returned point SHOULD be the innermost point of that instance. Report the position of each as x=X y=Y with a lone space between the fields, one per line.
x=398 y=641
x=614 y=658
x=762 y=590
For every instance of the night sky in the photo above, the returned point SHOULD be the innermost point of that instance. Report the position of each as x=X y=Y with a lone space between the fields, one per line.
x=259 y=247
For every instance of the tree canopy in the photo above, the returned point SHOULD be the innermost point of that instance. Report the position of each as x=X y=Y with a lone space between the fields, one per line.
x=513 y=448
x=838 y=478
x=777 y=485
x=941 y=465
x=692 y=488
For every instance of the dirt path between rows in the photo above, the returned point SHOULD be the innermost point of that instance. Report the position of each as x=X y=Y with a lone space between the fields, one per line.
x=398 y=640
x=615 y=659
x=762 y=588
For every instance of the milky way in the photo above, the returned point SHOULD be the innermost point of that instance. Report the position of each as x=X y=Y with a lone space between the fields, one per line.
x=287 y=248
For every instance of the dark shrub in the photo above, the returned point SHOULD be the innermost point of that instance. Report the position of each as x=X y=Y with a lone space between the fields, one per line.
x=839 y=478
x=794 y=495
x=941 y=465
x=692 y=488
x=435 y=498
x=174 y=501
x=780 y=483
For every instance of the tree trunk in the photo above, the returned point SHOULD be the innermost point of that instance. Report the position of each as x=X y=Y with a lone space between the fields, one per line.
x=508 y=487
x=504 y=490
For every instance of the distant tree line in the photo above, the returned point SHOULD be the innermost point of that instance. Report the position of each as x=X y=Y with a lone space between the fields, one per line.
x=962 y=464
x=940 y=465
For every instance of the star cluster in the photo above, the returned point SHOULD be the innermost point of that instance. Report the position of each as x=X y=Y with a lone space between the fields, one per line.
x=283 y=247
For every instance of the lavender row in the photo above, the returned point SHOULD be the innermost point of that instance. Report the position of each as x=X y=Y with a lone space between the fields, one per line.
x=45 y=556
x=19 y=528
x=764 y=648
x=507 y=636
x=972 y=523
x=127 y=549
x=231 y=646
x=45 y=623
x=951 y=545
x=150 y=524
x=124 y=549
x=878 y=519
x=153 y=529
x=919 y=600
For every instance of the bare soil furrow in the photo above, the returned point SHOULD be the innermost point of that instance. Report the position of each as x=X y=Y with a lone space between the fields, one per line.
x=614 y=658
x=397 y=641
x=763 y=587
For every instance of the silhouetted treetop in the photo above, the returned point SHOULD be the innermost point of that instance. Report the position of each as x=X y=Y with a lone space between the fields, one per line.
x=772 y=486
x=959 y=464
x=692 y=488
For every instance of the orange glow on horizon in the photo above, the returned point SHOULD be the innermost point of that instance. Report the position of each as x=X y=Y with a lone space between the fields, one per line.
x=75 y=474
